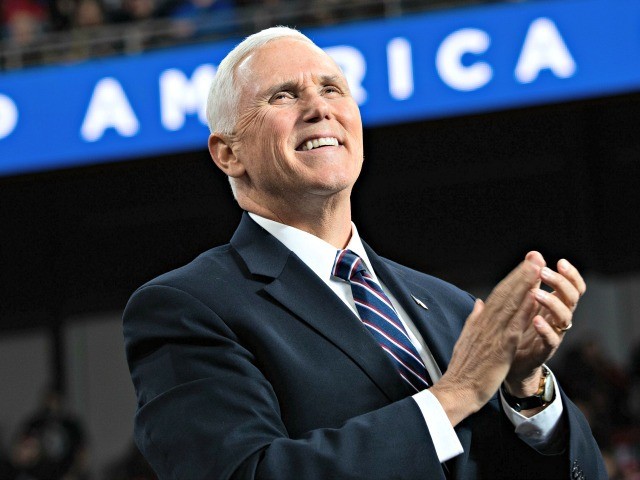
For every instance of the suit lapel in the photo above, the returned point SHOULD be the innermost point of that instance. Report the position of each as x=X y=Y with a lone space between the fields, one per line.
x=300 y=291
x=433 y=324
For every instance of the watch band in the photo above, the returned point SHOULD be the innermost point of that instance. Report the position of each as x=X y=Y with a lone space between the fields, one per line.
x=543 y=395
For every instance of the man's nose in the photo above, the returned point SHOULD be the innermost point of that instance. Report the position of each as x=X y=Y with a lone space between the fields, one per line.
x=317 y=108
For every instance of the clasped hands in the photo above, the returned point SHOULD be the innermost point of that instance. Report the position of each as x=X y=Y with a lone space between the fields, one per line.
x=508 y=337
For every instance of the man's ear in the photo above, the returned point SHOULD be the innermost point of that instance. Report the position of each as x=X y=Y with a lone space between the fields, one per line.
x=223 y=155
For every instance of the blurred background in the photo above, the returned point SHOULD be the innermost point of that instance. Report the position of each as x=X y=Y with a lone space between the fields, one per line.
x=491 y=128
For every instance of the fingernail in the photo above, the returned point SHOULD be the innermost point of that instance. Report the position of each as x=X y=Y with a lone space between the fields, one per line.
x=546 y=273
x=563 y=264
x=541 y=294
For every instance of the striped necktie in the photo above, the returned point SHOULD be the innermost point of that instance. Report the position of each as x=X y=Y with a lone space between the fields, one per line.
x=380 y=318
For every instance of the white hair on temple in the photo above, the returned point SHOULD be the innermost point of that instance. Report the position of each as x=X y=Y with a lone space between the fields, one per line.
x=224 y=94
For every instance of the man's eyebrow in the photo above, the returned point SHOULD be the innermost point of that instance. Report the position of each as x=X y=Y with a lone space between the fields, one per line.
x=292 y=85
x=282 y=87
x=324 y=79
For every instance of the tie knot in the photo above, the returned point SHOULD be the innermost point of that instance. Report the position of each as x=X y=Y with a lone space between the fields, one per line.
x=347 y=264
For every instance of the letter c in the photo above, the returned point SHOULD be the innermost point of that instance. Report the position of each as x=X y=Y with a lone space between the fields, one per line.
x=449 y=60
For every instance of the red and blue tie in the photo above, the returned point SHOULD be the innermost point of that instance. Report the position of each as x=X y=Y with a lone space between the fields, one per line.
x=380 y=318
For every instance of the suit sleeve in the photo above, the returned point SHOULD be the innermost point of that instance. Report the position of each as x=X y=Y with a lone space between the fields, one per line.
x=206 y=412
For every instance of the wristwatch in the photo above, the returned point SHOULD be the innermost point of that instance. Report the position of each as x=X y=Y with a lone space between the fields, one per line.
x=544 y=395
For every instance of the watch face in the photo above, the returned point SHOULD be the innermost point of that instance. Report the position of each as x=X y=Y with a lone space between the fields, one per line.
x=545 y=394
x=549 y=391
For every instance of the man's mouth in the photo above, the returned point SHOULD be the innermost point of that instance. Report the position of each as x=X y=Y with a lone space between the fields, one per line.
x=317 y=143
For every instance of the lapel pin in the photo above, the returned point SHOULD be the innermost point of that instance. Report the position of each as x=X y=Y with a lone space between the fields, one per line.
x=419 y=302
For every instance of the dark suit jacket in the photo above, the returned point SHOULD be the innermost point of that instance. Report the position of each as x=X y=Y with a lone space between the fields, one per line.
x=246 y=365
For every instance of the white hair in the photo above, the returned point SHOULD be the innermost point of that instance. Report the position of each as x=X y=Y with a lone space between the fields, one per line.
x=224 y=93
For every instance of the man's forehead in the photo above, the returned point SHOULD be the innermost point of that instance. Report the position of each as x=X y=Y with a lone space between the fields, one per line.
x=278 y=61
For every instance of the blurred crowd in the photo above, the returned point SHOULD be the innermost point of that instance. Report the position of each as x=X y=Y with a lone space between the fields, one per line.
x=54 y=31
x=609 y=397
x=31 y=29
x=52 y=444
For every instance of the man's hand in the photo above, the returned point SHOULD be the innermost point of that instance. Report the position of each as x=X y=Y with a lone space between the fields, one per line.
x=544 y=333
x=487 y=346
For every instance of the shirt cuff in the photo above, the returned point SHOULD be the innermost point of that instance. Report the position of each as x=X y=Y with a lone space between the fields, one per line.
x=541 y=431
x=443 y=435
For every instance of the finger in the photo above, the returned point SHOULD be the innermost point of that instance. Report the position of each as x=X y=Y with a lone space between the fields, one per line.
x=572 y=274
x=564 y=288
x=549 y=336
x=478 y=307
x=536 y=258
x=527 y=309
x=561 y=314
x=506 y=299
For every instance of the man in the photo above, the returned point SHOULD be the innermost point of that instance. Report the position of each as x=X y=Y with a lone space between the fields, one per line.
x=295 y=352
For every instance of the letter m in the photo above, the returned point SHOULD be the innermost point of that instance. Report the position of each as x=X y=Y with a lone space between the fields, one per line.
x=181 y=96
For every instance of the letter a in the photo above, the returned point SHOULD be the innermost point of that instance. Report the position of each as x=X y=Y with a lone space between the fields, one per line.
x=109 y=108
x=543 y=49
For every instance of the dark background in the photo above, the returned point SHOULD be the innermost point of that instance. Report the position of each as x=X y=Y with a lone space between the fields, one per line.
x=461 y=198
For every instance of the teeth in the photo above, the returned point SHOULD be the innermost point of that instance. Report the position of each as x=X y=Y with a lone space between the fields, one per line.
x=319 y=142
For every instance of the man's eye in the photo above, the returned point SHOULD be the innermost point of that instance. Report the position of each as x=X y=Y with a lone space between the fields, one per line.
x=282 y=96
x=331 y=89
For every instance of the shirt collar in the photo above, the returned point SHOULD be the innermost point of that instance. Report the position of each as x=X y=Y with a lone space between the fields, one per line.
x=314 y=252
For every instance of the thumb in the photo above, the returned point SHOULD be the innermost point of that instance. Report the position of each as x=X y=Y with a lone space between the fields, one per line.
x=478 y=307
x=536 y=258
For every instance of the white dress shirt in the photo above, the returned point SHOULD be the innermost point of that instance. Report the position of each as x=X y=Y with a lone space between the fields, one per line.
x=538 y=431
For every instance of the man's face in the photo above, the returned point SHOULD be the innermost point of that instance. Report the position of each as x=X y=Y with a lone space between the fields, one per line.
x=299 y=131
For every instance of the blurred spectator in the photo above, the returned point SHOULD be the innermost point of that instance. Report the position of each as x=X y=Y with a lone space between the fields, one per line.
x=88 y=39
x=88 y=13
x=333 y=11
x=602 y=391
x=268 y=13
x=142 y=31
x=597 y=385
x=6 y=469
x=634 y=387
x=203 y=18
x=23 y=22
x=627 y=440
x=50 y=445
x=61 y=14
x=138 y=10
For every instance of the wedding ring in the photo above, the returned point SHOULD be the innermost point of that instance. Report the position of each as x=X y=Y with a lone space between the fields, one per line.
x=568 y=327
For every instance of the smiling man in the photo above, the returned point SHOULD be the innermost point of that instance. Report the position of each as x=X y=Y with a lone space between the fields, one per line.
x=296 y=352
x=295 y=149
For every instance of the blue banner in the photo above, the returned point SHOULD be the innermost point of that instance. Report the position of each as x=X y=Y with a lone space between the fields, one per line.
x=410 y=68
